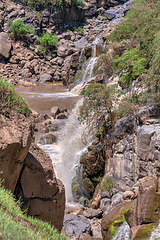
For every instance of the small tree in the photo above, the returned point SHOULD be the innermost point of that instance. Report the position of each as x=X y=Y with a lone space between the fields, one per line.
x=19 y=29
x=97 y=109
x=47 y=41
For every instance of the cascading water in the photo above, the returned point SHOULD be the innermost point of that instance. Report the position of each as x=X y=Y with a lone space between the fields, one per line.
x=69 y=148
x=88 y=74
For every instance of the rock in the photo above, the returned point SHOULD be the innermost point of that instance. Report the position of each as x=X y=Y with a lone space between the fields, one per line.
x=88 y=187
x=148 y=111
x=110 y=14
x=105 y=204
x=61 y=116
x=47 y=139
x=55 y=111
x=145 y=207
x=45 y=194
x=145 y=134
x=90 y=10
x=93 y=162
x=16 y=134
x=114 y=214
x=125 y=171
x=76 y=226
x=5 y=45
x=124 y=125
x=116 y=199
x=34 y=113
x=45 y=77
x=91 y=213
x=128 y=194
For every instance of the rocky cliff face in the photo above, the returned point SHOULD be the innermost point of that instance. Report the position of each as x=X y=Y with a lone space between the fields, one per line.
x=16 y=134
x=28 y=173
x=40 y=191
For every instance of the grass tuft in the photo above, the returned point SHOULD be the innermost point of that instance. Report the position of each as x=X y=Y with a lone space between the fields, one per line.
x=11 y=99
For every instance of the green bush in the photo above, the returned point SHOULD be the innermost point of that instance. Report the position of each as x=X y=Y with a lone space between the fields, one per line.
x=79 y=30
x=10 y=98
x=19 y=29
x=141 y=58
x=129 y=66
x=47 y=41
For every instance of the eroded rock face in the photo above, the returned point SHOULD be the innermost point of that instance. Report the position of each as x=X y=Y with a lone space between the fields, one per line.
x=141 y=212
x=16 y=133
x=44 y=194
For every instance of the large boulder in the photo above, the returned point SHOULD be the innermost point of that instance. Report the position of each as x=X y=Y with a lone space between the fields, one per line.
x=16 y=134
x=43 y=193
x=145 y=211
x=76 y=226
x=124 y=125
x=5 y=45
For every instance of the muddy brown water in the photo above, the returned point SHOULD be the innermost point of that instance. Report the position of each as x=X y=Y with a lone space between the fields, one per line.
x=42 y=98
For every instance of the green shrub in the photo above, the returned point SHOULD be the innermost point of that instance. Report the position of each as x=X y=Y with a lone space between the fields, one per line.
x=19 y=29
x=10 y=98
x=79 y=30
x=129 y=66
x=47 y=41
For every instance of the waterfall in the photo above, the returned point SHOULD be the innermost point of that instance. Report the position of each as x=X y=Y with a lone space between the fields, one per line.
x=88 y=73
x=69 y=148
x=123 y=233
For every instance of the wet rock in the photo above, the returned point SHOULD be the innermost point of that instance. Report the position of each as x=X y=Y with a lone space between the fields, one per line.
x=5 y=45
x=47 y=139
x=88 y=187
x=62 y=116
x=55 y=111
x=75 y=226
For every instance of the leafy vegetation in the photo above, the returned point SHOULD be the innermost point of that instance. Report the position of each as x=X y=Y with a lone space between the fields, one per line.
x=47 y=41
x=79 y=30
x=19 y=29
x=16 y=225
x=11 y=99
x=96 y=110
x=140 y=58
x=54 y=4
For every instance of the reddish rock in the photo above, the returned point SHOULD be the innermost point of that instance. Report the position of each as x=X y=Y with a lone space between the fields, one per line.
x=16 y=134
x=45 y=193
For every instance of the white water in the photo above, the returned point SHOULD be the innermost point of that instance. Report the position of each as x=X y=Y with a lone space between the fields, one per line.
x=67 y=151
